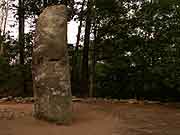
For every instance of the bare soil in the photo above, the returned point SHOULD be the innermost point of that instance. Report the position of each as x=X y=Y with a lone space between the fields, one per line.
x=98 y=118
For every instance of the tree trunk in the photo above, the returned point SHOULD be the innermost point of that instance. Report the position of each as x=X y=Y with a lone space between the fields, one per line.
x=93 y=58
x=1 y=45
x=6 y=16
x=75 y=64
x=85 y=67
x=2 y=2
x=21 y=40
x=21 y=30
x=93 y=67
x=80 y=25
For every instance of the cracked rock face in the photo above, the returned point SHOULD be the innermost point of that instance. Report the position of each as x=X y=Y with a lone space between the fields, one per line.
x=51 y=71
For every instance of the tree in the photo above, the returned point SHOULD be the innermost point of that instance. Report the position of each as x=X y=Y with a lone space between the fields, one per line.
x=75 y=79
x=85 y=60
x=136 y=49
x=21 y=14
x=93 y=54
x=4 y=9
x=21 y=41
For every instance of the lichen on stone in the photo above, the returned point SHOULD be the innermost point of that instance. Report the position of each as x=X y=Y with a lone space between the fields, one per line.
x=52 y=87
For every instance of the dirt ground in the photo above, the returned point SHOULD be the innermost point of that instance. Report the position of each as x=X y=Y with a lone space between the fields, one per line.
x=97 y=119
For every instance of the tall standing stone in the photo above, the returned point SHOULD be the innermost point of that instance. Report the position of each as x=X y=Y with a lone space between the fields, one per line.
x=51 y=71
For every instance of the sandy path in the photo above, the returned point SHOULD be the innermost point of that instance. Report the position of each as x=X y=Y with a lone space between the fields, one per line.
x=98 y=119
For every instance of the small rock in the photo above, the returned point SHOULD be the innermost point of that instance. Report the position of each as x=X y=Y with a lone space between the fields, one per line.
x=4 y=99
x=123 y=101
x=115 y=101
x=10 y=98
x=132 y=101
x=152 y=102
x=18 y=99
x=77 y=99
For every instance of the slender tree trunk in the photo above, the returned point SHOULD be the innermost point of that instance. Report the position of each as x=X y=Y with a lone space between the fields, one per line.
x=1 y=45
x=21 y=31
x=6 y=17
x=75 y=64
x=85 y=62
x=80 y=25
x=3 y=24
x=1 y=29
x=2 y=2
x=93 y=63
x=22 y=41
x=93 y=67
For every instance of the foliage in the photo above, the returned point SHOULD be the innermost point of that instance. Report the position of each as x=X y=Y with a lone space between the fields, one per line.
x=140 y=56
x=10 y=70
x=136 y=51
